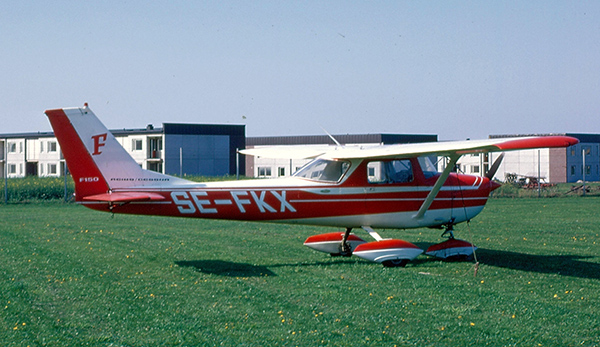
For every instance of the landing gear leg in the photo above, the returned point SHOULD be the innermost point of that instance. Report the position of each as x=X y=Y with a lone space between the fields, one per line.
x=345 y=250
x=449 y=232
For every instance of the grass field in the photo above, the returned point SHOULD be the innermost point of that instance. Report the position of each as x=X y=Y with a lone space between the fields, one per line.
x=72 y=276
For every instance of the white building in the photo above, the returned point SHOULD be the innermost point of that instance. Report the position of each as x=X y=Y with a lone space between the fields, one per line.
x=26 y=155
x=176 y=149
x=553 y=165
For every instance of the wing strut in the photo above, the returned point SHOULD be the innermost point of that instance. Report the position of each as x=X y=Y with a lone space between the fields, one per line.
x=437 y=186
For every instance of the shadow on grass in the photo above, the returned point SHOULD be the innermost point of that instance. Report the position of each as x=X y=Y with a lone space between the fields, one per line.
x=227 y=268
x=231 y=269
x=563 y=265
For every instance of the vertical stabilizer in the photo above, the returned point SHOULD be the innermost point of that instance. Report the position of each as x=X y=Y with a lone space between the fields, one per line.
x=96 y=160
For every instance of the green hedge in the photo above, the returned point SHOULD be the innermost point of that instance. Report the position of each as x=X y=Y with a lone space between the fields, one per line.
x=36 y=188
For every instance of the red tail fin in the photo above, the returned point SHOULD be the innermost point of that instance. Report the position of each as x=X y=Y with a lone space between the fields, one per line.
x=88 y=178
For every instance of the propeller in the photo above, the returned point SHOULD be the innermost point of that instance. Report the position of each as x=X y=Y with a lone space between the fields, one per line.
x=492 y=171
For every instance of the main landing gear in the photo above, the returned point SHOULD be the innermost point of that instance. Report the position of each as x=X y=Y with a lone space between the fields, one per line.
x=388 y=252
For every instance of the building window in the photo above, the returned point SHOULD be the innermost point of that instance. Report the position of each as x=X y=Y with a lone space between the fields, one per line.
x=154 y=147
x=572 y=170
x=264 y=171
x=155 y=167
x=51 y=146
x=587 y=150
x=41 y=147
x=136 y=145
x=52 y=169
x=572 y=151
x=12 y=168
x=281 y=171
x=12 y=147
x=475 y=169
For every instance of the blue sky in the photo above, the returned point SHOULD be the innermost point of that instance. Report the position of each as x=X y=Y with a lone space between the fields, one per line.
x=459 y=69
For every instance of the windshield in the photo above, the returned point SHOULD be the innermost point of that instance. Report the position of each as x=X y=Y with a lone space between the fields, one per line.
x=324 y=170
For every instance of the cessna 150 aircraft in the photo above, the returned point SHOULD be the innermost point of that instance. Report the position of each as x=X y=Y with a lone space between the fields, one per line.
x=387 y=186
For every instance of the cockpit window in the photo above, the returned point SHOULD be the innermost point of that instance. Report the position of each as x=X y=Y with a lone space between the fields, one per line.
x=429 y=170
x=324 y=170
x=393 y=171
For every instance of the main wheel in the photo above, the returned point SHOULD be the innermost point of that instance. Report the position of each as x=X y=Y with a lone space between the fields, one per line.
x=395 y=263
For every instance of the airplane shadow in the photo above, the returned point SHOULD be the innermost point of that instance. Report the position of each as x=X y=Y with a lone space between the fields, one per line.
x=231 y=269
x=562 y=265
x=227 y=268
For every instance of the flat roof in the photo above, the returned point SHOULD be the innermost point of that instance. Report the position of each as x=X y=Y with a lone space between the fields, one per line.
x=168 y=128
x=343 y=139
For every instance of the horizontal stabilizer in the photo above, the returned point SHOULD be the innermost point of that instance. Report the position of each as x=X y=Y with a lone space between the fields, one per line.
x=124 y=197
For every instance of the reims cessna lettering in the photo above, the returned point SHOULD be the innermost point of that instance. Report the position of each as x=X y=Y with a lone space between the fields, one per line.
x=387 y=186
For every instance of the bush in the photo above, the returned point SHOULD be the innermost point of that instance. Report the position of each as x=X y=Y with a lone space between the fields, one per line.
x=37 y=188
x=510 y=190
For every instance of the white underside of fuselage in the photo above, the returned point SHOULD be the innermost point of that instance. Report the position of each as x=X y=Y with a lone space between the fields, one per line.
x=394 y=220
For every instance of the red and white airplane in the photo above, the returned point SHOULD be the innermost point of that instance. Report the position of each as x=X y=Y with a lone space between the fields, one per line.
x=387 y=186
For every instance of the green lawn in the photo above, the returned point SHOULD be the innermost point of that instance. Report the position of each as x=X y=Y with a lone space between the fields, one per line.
x=72 y=276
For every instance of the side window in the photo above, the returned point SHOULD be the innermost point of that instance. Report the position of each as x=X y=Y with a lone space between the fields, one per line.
x=393 y=171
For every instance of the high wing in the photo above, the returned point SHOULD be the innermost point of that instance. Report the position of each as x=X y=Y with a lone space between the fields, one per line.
x=450 y=148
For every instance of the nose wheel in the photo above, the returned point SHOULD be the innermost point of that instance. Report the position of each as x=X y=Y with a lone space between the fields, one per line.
x=452 y=248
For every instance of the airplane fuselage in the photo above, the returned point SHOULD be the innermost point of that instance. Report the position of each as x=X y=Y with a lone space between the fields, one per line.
x=354 y=201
